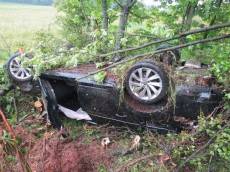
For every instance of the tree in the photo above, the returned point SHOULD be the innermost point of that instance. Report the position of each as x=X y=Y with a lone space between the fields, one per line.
x=217 y=4
x=187 y=18
x=125 y=10
x=79 y=18
x=105 y=18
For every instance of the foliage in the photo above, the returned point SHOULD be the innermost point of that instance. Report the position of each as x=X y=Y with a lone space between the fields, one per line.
x=216 y=134
x=4 y=81
x=51 y=52
x=221 y=66
x=79 y=19
x=84 y=39
x=100 y=77
x=82 y=26
x=6 y=102
x=220 y=147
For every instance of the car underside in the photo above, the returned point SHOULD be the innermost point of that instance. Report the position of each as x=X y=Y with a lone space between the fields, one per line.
x=150 y=93
x=107 y=102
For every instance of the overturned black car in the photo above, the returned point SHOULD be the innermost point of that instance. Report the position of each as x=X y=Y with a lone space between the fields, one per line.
x=151 y=94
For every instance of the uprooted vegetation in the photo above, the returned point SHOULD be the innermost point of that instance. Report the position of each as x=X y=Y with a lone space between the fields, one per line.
x=42 y=147
x=38 y=147
x=45 y=149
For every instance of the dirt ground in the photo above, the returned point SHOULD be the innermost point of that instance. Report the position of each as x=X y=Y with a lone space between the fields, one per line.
x=53 y=153
x=46 y=150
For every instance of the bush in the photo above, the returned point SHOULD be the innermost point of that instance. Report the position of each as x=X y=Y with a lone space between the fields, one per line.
x=211 y=144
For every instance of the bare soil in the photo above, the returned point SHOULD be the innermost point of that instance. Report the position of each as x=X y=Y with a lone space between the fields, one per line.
x=56 y=154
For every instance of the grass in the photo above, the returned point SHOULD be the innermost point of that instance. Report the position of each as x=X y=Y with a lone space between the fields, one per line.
x=20 y=22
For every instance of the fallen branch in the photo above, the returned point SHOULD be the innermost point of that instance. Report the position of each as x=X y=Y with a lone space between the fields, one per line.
x=16 y=109
x=215 y=111
x=7 y=124
x=168 y=39
x=133 y=162
x=202 y=147
x=24 y=164
x=155 y=52
x=24 y=117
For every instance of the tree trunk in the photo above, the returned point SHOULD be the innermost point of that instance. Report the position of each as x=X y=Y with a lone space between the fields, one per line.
x=187 y=19
x=105 y=18
x=122 y=25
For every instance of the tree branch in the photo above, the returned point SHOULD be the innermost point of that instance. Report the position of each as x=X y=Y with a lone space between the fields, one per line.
x=132 y=3
x=203 y=147
x=156 y=52
x=132 y=162
x=168 y=39
x=118 y=3
x=7 y=124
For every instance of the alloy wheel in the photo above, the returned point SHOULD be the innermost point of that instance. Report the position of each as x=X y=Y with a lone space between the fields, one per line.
x=145 y=83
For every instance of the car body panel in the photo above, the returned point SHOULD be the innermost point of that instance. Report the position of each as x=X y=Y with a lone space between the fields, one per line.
x=107 y=102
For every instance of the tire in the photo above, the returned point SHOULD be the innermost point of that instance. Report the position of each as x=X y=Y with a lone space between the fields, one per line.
x=142 y=89
x=175 y=53
x=50 y=103
x=13 y=66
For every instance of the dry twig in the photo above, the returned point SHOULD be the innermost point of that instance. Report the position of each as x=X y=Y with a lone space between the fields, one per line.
x=133 y=162
x=202 y=147
x=24 y=164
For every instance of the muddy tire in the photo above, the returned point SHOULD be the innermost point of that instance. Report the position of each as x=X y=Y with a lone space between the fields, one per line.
x=147 y=82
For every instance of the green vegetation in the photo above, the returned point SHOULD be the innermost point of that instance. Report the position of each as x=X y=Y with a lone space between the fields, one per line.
x=18 y=27
x=19 y=23
x=91 y=28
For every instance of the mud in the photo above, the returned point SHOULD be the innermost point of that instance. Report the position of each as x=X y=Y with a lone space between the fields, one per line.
x=88 y=68
x=58 y=156
x=145 y=108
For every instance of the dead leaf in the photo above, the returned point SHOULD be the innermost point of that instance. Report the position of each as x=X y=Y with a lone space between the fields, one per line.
x=38 y=105
x=135 y=143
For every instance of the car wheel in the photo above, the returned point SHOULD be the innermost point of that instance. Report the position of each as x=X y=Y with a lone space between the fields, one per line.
x=146 y=82
x=16 y=71
x=169 y=56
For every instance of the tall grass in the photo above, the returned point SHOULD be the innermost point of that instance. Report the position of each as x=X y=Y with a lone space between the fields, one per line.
x=19 y=23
